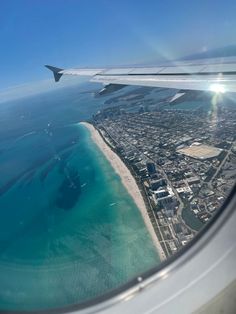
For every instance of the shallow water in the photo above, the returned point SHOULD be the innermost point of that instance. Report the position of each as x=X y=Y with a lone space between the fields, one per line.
x=69 y=230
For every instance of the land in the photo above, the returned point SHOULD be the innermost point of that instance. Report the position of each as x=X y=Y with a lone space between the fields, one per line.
x=183 y=162
x=127 y=180
x=200 y=151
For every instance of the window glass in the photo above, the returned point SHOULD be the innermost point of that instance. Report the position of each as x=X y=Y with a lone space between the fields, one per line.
x=97 y=188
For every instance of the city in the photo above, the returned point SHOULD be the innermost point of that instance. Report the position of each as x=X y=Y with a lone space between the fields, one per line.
x=184 y=162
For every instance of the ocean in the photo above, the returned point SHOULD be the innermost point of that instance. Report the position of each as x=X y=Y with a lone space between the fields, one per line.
x=69 y=230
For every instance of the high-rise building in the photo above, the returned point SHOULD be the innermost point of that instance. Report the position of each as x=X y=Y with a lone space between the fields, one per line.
x=151 y=168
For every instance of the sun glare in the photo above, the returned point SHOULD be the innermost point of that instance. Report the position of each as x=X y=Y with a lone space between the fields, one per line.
x=217 y=88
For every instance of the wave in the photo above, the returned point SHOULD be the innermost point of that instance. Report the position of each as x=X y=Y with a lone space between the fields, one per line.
x=25 y=135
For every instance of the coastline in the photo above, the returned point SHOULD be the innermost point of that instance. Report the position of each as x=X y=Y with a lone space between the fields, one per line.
x=128 y=181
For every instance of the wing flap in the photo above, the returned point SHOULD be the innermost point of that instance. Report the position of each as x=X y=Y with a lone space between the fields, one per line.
x=189 y=82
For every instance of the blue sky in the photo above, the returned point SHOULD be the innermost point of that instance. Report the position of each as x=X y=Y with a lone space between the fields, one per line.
x=69 y=33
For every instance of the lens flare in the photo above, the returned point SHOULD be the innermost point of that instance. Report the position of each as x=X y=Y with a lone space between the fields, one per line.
x=217 y=88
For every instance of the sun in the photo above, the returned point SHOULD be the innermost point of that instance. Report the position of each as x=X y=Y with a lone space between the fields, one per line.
x=217 y=88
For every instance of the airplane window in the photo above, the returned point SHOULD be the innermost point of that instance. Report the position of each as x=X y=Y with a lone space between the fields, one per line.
x=102 y=181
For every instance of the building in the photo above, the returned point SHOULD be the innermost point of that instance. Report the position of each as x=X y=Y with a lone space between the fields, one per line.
x=151 y=168
x=156 y=184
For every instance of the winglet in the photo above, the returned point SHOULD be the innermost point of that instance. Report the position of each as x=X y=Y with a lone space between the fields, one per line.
x=56 y=72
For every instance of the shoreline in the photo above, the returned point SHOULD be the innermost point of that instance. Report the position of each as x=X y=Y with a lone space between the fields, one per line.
x=128 y=182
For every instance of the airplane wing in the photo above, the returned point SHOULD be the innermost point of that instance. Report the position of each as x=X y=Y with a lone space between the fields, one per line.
x=216 y=75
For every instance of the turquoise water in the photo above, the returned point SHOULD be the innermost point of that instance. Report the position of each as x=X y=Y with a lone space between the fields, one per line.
x=69 y=230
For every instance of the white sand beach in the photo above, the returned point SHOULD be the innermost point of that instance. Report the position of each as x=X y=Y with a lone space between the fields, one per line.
x=127 y=180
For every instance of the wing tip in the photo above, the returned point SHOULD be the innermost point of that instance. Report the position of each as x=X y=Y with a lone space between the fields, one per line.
x=56 y=72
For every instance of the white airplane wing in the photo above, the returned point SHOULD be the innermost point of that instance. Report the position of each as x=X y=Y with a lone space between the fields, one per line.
x=217 y=75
